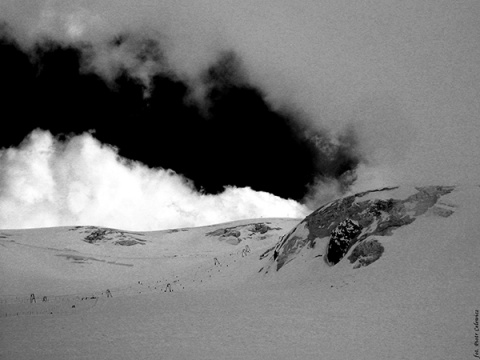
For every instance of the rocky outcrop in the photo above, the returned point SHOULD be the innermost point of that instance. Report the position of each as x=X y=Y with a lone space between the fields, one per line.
x=366 y=252
x=234 y=235
x=341 y=239
x=97 y=235
x=352 y=219
x=259 y=228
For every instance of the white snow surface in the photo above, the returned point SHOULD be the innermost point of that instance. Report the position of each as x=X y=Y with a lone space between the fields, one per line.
x=418 y=301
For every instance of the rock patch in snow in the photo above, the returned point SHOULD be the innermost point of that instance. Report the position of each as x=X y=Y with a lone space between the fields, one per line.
x=352 y=219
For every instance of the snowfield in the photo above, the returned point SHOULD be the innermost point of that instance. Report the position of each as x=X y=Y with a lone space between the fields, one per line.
x=253 y=289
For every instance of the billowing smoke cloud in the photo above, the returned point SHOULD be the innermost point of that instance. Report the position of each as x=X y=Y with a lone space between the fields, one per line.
x=49 y=182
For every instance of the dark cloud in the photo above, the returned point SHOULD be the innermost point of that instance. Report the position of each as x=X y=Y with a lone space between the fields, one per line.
x=231 y=137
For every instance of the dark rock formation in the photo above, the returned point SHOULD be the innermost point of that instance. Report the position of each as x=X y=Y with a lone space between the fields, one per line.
x=259 y=228
x=352 y=219
x=366 y=252
x=234 y=235
x=341 y=239
x=98 y=235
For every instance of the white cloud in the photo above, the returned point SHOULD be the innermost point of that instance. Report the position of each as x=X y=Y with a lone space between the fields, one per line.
x=47 y=182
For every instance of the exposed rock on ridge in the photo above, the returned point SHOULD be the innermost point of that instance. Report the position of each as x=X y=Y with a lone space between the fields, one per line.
x=353 y=219
x=236 y=234
x=98 y=235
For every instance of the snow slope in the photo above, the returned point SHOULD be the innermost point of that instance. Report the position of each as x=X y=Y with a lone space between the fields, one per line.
x=416 y=301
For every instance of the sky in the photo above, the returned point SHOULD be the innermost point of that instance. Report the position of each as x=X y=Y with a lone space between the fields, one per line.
x=156 y=114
